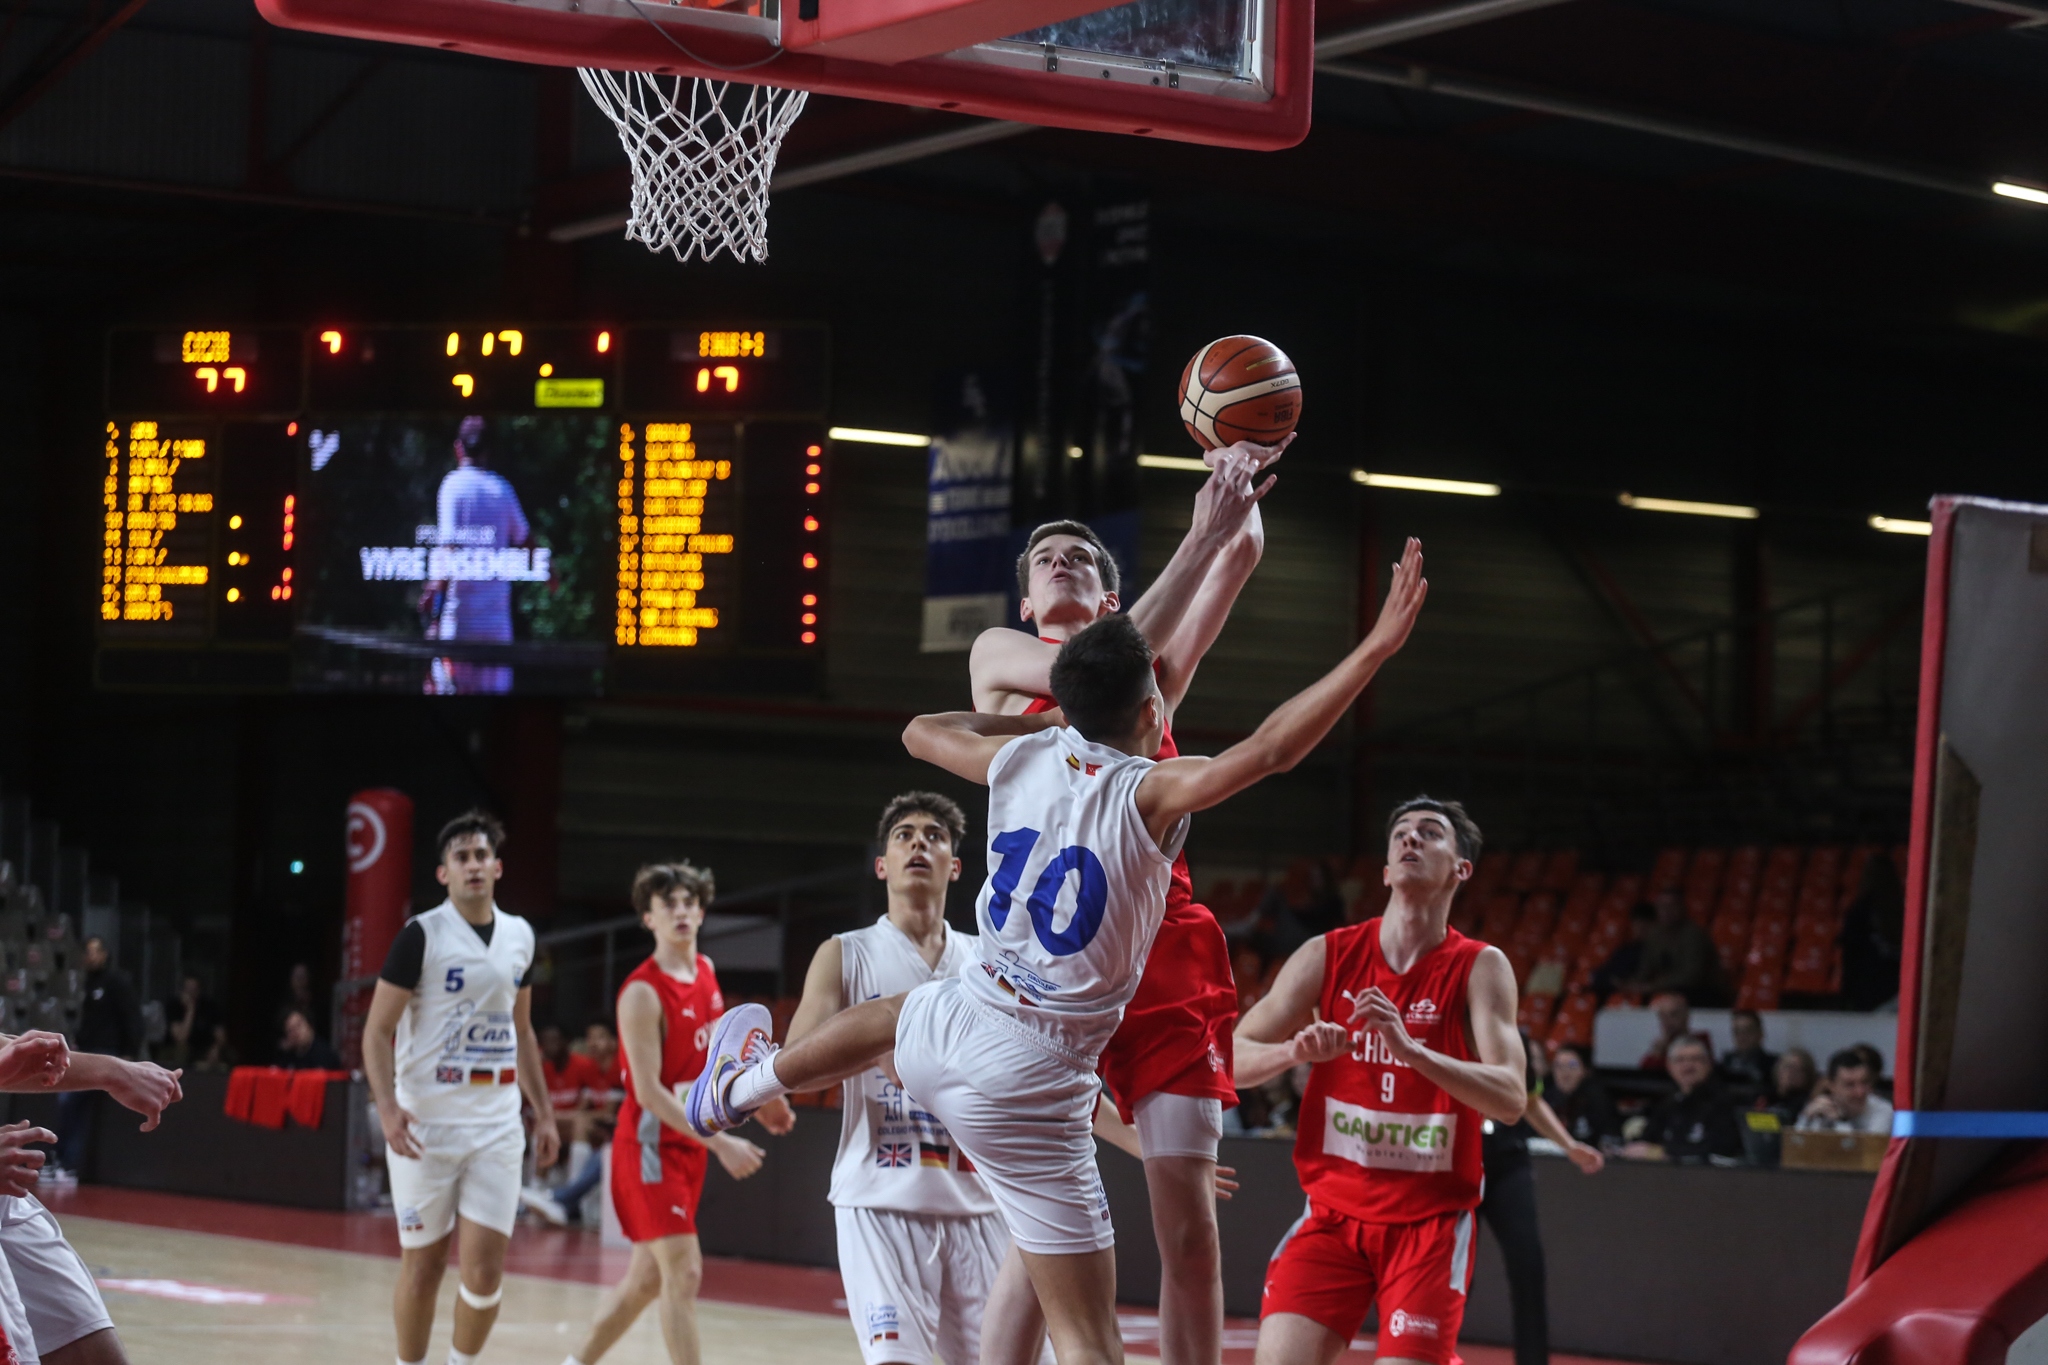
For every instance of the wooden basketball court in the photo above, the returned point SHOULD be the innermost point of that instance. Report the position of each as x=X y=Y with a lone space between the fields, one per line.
x=211 y=1282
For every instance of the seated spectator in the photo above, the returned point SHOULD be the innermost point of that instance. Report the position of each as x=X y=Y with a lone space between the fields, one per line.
x=1847 y=1104
x=1674 y=1021
x=1747 y=1067
x=1698 y=1124
x=1304 y=905
x=1625 y=963
x=601 y=1048
x=303 y=1050
x=575 y=1085
x=220 y=1053
x=1792 y=1084
x=1679 y=955
x=189 y=1022
x=1580 y=1099
x=1875 y=1060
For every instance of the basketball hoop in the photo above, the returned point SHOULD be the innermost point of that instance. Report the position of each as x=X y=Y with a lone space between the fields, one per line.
x=703 y=155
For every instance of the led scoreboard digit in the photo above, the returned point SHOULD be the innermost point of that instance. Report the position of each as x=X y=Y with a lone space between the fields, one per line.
x=483 y=507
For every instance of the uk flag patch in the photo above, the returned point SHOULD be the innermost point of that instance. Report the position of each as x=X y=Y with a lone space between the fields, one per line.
x=895 y=1154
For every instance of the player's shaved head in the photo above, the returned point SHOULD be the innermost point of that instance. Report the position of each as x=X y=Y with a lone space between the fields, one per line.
x=1102 y=677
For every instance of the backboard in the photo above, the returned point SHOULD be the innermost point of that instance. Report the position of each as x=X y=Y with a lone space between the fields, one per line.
x=1231 y=73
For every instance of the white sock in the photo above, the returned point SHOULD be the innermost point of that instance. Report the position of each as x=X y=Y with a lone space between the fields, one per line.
x=403 y=1361
x=757 y=1085
x=456 y=1357
x=572 y=1360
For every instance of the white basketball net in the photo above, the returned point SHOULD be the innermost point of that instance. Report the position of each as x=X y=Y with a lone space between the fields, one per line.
x=702 y=158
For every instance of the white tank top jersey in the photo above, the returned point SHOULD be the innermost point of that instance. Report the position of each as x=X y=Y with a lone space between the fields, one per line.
x=457 y=1051
x=1075 y=891
x=893 y=1155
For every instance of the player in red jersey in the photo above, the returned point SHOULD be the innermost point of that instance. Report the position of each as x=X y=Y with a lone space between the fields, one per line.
x=666 y=1009
x=1387 y=1142
x=1168 y=1067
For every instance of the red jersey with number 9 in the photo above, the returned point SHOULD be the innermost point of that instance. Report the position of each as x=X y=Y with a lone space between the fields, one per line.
x=688 y=1009
x=1377 y=1140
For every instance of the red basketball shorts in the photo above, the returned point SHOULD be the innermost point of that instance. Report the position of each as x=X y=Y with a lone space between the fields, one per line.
x=656 y=1187
x=1330 y=1268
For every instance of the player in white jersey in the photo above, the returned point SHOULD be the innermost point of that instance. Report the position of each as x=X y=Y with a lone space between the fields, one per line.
x=50 y=1308
x=920 y=1241
x=448 y=1050
x=1082 y=832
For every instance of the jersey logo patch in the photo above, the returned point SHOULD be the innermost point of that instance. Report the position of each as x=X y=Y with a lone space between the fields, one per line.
x=932 y=1154
x=1406 y=1324
x=893 y=1154
x=1415 y=1143
x=449 y=1075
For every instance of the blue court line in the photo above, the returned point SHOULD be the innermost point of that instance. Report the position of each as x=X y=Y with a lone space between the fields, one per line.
x=1924 y=1123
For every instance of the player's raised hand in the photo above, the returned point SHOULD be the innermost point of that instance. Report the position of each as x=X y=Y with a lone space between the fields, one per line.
x=1404 y=602
x=740 y=1157
x=35 y=1060
x=1228 y=495
x=1259 y=456
x=1322 y=1041
x=1226 y=1182
x=19 y=1161
x=147 y=1089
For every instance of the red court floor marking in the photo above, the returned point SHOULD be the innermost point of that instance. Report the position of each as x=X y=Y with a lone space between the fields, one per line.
x=574 y=1254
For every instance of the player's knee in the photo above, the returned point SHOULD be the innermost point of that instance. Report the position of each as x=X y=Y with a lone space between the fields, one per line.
x=682 y=1278
x=1191 y=1248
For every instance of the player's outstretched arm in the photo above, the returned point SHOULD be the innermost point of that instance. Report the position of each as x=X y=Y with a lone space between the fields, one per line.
x=1495 y=1083
x=1181 y=786
x=965 y=743
x=824 y=991
x=533 y=1082
x=1222 y=579
x=1281 y=1031
x=1224 y=506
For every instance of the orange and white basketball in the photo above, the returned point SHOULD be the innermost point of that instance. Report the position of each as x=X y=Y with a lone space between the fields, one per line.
x=1239 y=389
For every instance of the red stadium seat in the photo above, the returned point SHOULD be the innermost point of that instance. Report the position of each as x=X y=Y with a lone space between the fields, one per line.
x=1573 y=1022
x=1703 y=883
x=1526 y=870
x=1559 y=870
x=1535 y=1012
x=1497 y=921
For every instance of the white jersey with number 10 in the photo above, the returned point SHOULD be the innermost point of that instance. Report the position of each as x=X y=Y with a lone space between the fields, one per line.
x=1075 y=891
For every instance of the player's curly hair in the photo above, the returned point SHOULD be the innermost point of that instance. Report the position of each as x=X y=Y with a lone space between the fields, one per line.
x=1462 y=824
x=664 y=879
x=475 y=820
x=941 y=808
x=1102 y=677
x=1105 y=562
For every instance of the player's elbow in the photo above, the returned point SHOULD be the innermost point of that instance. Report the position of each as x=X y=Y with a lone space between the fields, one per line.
x=918 y=736
x=1512 y=1106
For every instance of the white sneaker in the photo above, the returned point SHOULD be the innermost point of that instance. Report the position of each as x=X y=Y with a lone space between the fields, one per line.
x=57 y=1175
x=544 y=1203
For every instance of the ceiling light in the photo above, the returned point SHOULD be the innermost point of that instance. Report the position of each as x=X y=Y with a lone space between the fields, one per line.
x=878 y=438
x=1900 y=527
x=1420 y=485
x=1695 y=509
x=1192 y=465
x=2028 y=193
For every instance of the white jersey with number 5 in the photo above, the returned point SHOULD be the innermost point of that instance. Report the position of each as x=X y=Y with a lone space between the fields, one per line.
x=1075 y=891
x=458 y=1053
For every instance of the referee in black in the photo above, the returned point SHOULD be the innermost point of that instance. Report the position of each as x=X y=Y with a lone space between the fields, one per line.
x=1509 y=1208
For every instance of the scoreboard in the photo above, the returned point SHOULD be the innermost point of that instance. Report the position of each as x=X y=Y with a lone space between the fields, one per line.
x=465 y=509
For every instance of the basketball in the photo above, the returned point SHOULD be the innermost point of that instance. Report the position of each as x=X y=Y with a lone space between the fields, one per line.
x=1239 y=389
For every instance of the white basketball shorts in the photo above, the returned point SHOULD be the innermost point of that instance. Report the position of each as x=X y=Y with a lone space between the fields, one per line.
x=468 y=1170
x=916 y=1283
x=1025 y=1116
x=1179 y=1125
x=57 y=1292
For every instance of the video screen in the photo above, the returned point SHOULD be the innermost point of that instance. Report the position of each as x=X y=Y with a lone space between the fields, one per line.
x=457 y=555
